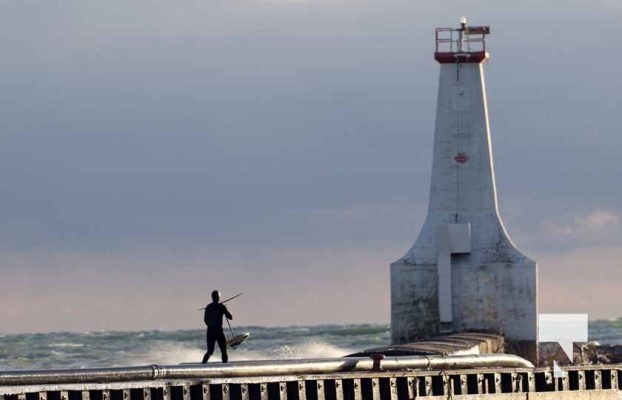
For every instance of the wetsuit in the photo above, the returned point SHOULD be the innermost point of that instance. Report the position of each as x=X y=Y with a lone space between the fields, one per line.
x=213 y=319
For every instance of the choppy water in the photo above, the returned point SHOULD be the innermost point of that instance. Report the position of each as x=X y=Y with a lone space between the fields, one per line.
x=113 y=349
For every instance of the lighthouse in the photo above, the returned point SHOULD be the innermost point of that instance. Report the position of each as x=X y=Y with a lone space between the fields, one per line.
x=463 y=272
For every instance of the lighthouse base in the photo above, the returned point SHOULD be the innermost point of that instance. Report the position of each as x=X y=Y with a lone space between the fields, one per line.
x=489 y=297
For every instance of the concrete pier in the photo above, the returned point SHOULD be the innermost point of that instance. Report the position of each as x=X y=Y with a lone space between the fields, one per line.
x=455 y=344
x=386 y=383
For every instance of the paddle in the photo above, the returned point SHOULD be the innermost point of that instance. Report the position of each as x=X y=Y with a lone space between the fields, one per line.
x=224 y=301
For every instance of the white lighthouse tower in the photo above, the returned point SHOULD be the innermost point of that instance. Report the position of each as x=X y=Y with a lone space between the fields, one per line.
x=463 y=273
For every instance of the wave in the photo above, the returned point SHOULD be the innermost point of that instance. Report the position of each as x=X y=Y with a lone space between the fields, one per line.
x=312 y=349
x=176 y=353
x=334 y=330
x=75 y=345
x=162 y=353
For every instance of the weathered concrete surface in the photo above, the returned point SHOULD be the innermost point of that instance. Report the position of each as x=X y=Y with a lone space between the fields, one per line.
x=456 y=344
x=578 y=395
x=463 y=272
x=501 y=396
x=592 y=395
x=414 y=301
x=602 y=354
x=583 y=354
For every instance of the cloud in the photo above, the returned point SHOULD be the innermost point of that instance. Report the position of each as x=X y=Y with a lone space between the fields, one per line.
x=598 y=221
x=599 y=225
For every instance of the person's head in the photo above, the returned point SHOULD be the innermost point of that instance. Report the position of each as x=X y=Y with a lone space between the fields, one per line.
x=215 y=296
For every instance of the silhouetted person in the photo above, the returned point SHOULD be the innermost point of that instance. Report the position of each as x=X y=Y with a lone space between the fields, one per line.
x=213 y=319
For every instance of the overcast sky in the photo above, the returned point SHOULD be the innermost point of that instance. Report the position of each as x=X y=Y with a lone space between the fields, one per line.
x=153 y=151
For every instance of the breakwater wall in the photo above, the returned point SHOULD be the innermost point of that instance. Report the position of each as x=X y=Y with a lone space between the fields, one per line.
x=398 y=378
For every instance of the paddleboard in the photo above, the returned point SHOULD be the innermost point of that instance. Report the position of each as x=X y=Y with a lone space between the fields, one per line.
x=237 y=340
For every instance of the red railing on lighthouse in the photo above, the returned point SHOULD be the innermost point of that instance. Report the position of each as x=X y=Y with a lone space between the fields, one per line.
x=466 y=44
